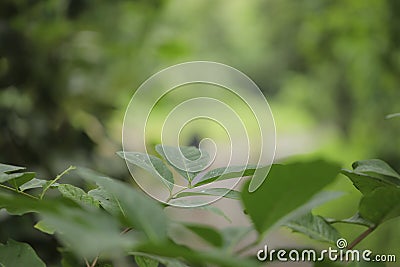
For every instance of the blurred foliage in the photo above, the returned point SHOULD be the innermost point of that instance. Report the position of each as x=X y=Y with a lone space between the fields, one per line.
x=330 y=70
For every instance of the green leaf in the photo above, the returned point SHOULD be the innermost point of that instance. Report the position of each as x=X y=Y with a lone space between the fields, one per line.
x=141 y=212
x=78 y=195
x=45 y=227
x=287 y=188
x=390 y=116
x=213 y=257
x=365 y=183
x=367 y=264
x=355 y=219
x=34 y=183
x=367 y=175
x=233 y=235
x=375 y=167
x=152 y=164
x=224 y=192
x=143 y=261
x=314 y=227
x=83 y=230
x=4 y=177
x=225 y=173
x=216 y=211
x=9 y=168
x=106 y=200
x=68 y=258
x=327 y=263
x=19 y=254
x=188 y=161
x=380 y=205
x=208 y=234
x=20 y=180
x=87 y=232
x=18 y=204
x=168 y=262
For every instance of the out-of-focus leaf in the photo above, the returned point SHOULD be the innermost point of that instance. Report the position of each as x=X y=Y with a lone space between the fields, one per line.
x=18 y=204
x=225 y=173
x=140 y=212
x=168 y=262
x=287 y=188
x=143 y=261
x=223 y=192
x=327 y=263
x=233 y=235
x=216 y=211
x=213 y=257
x=106 y=200
x=380 y=205
x=84 y=230
x=188 y=161
x=390 y=116
x=78 y=195
x=208 y=234
x=9 y=168
x=68 y=258
x=314 y=227
x=210 y=208
x=152 y=164
x=87 y=232
x=44 y=227
x=14 y=254
x=367 y=264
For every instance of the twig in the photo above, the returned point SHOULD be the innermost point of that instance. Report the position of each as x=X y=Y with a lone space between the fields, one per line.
x=94 y=262
x=17 y=191
x=361 y=237
x=126 y=230
x=55 y=180
x=175 y=194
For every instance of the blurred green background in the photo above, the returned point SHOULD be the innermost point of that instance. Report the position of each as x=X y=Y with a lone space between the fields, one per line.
x=329 y=69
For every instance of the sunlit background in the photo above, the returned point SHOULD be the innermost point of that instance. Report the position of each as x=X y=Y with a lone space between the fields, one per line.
x=329 y=69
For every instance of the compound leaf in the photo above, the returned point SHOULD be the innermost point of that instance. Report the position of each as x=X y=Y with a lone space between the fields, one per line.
x=152 y=164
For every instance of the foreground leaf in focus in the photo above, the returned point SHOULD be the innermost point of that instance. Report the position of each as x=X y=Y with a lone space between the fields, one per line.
x=286 y=189
x=315 y=227
x=188 y=161
x=152 y=164
x=225 y=173
x=380 y=205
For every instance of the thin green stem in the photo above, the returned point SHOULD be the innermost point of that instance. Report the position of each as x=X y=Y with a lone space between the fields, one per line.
x=70 y=168
x=17 y=191
x=172 y=196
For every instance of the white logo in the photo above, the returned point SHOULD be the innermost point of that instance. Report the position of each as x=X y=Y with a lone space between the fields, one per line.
x=197 y=98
